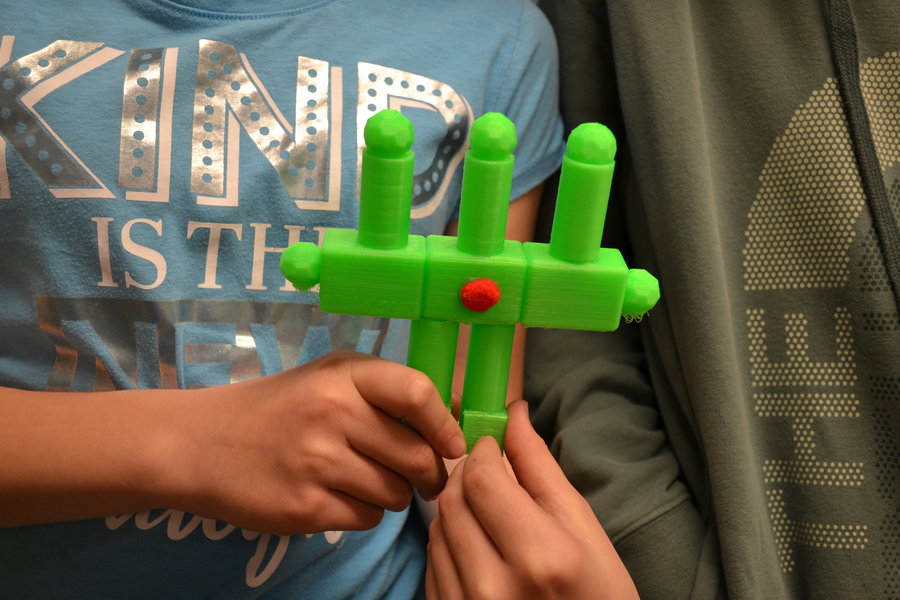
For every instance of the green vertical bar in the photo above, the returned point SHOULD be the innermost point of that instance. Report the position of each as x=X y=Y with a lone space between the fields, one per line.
x=583 y=196
x=487 y=179
x=487 y=367
x=385 y=193
x=432 y=350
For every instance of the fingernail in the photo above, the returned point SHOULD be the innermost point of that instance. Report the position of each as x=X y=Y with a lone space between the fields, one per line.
x=456 y=446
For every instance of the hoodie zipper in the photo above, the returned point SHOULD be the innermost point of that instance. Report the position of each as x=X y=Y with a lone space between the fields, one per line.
x=845 y=54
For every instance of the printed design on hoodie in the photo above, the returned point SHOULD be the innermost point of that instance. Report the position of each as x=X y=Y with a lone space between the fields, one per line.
x=809 y=229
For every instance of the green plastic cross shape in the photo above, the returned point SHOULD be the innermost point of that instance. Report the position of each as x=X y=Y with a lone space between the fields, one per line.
x=477 y=277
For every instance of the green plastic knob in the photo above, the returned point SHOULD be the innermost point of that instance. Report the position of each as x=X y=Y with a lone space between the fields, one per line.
x=385 y=189
x=301 y=264
x=389 y=134
x=641 y=294
x=591 y=143
x=493 y=137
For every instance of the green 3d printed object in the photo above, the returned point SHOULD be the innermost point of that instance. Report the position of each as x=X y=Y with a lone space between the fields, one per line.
x=478 y=277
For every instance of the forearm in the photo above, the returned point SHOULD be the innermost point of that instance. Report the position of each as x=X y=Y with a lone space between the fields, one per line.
x=328 y=445
x=67 y=456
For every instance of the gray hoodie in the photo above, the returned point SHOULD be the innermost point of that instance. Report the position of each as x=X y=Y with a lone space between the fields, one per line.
x=743 y=441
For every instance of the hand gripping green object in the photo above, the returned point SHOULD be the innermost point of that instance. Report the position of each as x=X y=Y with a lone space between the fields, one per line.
x=478 y=277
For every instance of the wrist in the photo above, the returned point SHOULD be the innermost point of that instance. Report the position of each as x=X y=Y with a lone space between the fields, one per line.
x=166 y=471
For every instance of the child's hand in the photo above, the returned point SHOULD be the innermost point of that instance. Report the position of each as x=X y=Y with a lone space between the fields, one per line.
x=319 y=447
x=496 y=537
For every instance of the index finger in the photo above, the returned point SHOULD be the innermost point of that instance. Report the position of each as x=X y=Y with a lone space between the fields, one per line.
x=500 y=503
x=408 y=394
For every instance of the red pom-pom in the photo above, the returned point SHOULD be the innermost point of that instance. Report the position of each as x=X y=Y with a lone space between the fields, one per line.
x=479 y=295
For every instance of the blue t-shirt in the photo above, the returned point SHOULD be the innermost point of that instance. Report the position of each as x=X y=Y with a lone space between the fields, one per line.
x=155 y=158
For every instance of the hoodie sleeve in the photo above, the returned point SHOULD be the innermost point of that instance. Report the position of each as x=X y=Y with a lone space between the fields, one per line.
x=592 y=402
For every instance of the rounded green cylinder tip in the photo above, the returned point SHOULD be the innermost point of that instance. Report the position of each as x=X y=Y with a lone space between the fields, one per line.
x=583 y=195
x=487 y=178
x=386 y=184
x=591 y=143
x=493 y=137
x=301 y=264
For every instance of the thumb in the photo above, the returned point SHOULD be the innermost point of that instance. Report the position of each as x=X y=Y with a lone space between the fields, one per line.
x=535 y=468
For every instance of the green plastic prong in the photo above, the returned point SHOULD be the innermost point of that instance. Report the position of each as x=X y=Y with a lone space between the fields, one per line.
x=583 y=195
x=487 y=180
x=386 y=181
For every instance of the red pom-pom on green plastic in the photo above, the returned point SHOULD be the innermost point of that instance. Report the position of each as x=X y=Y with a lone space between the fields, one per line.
x=479 y=295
